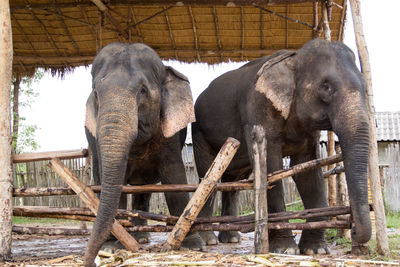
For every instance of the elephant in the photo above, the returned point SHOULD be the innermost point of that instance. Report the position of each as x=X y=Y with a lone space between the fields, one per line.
x=293 y=95
x=136 y=118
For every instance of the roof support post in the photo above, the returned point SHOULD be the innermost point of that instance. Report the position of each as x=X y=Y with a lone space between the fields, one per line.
x=6 y=51
x=377 y=199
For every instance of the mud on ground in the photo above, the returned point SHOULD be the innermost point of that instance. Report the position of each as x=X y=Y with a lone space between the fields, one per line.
x=42 y=250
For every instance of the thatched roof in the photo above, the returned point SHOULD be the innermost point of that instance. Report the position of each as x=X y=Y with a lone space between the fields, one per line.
x=63 y=34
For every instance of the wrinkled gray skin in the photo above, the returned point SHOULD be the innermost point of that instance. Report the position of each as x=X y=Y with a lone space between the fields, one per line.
x=133 y=116
x=293 y=96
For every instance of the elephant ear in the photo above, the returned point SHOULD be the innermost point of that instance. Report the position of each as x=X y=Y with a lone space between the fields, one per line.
x=177 y=103
x=91 y=114
x=275 y=80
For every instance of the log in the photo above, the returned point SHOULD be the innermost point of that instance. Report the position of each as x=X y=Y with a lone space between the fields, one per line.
x=382 y=243
x=6 y=180
x=303 y=167
x=309 y=225
x=261 y=244
x=87 y=215
x=62 y=154
x=91 y=200
x=201 y=195
x=240 y=185
x=48 y=231
x=332 y=177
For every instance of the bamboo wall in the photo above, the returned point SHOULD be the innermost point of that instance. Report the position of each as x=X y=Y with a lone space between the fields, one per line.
x=391 y=178
x=38 y=174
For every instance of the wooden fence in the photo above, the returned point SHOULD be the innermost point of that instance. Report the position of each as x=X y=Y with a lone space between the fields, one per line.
x=38 y=174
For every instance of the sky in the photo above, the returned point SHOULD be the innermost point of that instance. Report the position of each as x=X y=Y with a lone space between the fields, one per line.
x=59 y=110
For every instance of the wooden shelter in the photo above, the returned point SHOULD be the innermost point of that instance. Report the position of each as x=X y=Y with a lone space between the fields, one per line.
x=63 y=34
x=60 y=35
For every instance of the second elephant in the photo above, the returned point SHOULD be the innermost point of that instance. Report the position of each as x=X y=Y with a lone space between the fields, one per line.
x=292 y=95
x=133 y=118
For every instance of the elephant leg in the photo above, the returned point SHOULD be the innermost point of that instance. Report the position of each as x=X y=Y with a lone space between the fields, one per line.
x=229 y=207
x=311 y=187
x=204 y=156
x=172 y=171
x=141 y=202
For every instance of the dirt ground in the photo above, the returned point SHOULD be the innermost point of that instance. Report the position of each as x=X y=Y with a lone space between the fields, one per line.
x=42 y=250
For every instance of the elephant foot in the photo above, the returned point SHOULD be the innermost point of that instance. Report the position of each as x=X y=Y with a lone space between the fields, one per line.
x=141 y=237
x=111 y=246
x=229 y=237
x=313 y=243
x=193 y=241
x=283 y=243
x=209 y=237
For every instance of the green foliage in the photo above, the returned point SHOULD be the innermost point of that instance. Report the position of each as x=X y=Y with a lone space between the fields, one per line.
x=24 y=140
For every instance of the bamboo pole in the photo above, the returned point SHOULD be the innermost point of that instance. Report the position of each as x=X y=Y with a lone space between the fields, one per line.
x=379 y=209
x=48 y=231
x=6 y=180
x=91 y=200
x=261 y=244
x=332 y=178
x=87 y=215
x=201 y=195
x=39 y=156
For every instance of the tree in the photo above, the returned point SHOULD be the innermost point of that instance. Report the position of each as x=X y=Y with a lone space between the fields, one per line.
x=23 y=135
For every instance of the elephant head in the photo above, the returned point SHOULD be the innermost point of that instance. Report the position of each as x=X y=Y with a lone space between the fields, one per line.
x=135 y=98
x=320 y=88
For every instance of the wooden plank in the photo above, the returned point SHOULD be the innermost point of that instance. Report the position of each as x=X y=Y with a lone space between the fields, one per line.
x=379 y=209
x=6 y=58
x=91 y=200
x=261 y=244
x=38 y=156
x=201 y=195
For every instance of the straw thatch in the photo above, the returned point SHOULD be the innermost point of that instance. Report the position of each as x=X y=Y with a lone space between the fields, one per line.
x=62 y=34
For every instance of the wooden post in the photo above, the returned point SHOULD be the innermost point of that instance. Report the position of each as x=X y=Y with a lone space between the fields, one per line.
x=6 y=181
x=379 y=209
x=332 y=178
x=201 y=195
x=261 y=244
x=91 y=200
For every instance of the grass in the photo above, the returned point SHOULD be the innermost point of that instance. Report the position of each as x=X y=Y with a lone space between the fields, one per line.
x=27 y=220
x=393 y=219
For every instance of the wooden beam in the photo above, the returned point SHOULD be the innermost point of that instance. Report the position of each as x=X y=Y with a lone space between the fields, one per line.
x=242 y=28
x=112 y=20
x=325 y=21
x=171 y=35
x=49 y=38
x=63 y=154
x=342 y=21
x=158 y=3
x=201 y=195
x=150 y=17
x=377 y=199
x=282 y=16
x=139 y=32
x=259 y=152
x=67 y=32
x=214 y=11
x=261 y=29
x=196 y=40
x=91 y=200
x=203 y=52
x=6 y=180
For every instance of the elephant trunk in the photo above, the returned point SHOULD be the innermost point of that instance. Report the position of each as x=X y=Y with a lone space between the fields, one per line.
x=353 y=134
x=116 y=132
